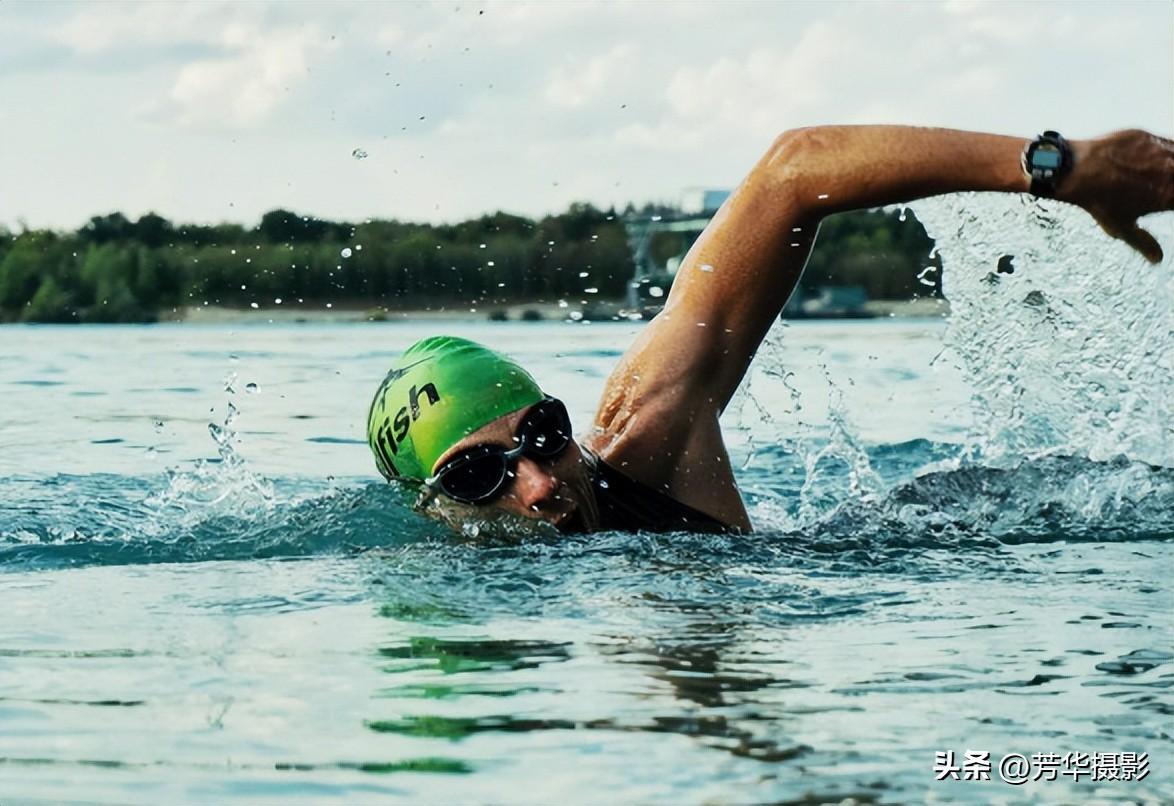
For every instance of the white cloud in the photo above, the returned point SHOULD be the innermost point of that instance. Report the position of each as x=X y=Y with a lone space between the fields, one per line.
x=112 y=26
x=1008 y=28
x=389 y=35
x=981 y=80
x=961 y=7
x=767 y=89
x=611 y=101
x=254 y=77
x=573 y=86
x=663 y=136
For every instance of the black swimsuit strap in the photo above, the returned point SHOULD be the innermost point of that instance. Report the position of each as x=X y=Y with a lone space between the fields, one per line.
x=629 y=506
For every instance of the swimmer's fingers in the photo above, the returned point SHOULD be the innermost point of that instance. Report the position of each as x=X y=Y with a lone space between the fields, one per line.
x=1136 y=237
x=1121 y=177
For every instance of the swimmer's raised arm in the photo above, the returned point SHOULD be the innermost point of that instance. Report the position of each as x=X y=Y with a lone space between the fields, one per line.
x=662 y=402
x=757 y=244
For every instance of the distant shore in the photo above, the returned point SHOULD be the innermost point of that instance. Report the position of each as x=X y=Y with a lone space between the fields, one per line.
x=533 y=311
x=296 y=314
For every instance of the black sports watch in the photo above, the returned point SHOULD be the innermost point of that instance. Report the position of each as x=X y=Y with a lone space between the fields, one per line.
x=1047 y=160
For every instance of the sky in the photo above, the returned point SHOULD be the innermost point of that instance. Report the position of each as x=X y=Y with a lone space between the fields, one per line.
x=440 y=111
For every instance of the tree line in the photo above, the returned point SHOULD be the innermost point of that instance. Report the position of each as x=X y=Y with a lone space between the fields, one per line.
x=114 y=269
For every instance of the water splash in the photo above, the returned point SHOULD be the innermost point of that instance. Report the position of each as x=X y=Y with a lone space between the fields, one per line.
x=837 y=470
x=121 y=520
x=1066 y=341
x=757 y=422
x=1066 y=336
x=221 y=487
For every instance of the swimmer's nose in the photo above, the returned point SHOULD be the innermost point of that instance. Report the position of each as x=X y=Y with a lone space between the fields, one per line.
x=534 y=486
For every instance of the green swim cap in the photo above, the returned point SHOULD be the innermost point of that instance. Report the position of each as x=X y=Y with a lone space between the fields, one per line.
x=442 y=389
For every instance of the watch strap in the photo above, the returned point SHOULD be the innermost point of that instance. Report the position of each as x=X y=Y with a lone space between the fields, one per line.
x=1045 y=178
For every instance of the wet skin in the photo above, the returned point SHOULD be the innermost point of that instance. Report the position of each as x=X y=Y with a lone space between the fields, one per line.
x=658 y=417
x=556 y=491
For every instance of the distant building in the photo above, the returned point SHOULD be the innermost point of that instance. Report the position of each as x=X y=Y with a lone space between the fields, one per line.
x=651 y=279
x=839 y=302
x=702 y=201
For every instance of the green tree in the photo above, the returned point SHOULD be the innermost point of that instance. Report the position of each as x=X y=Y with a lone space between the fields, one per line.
x=105 y=228
x=115 y=302
x=152 y=230
x=30 y=258
x=51 y=303
x=283 y=226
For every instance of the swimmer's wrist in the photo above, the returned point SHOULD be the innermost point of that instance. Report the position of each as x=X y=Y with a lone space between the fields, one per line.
x=1072 y=189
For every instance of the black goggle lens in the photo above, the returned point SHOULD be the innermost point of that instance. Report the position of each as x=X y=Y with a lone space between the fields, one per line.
x=476 y=478
x=546 y=430
x=478 y=474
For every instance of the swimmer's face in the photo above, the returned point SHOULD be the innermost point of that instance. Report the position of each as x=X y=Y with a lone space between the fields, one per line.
x=556 y=491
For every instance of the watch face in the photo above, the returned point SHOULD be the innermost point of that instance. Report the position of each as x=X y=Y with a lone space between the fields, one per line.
x=1047 y=158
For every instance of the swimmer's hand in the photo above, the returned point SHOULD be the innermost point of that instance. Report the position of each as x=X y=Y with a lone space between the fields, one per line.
x=1120 y=177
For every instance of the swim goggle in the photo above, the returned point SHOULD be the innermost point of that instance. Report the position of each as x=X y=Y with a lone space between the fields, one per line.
x=481 y=473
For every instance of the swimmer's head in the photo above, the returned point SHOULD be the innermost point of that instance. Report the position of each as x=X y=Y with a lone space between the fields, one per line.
x=441 y=390
x=475 y=417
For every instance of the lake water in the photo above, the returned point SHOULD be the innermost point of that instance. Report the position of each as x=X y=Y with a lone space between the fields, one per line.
x=245 y=613
x=964 y=543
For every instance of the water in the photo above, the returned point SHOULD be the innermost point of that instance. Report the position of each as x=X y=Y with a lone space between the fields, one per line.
x=209 y=596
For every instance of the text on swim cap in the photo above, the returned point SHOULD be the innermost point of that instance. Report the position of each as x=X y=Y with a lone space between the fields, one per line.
x=392 y=434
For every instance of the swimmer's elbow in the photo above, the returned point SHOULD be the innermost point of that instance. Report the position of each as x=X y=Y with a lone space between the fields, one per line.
x=793 y=163
x=784 y=157
x=788 y=142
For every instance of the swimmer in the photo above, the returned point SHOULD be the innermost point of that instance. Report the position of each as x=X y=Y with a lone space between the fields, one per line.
x=471 y=426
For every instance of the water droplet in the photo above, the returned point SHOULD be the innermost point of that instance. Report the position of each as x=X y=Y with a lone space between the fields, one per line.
x=582 y=274
x=655 y=291
x=277 y=300
x=603 y=483
x=359 y=154
x=490 y=263
x=254 y=305
x=576 y=315
x=252 y=388
x=656 y=218
x=706 y=267
x=590 y=290
x=823 y=195
x=346 y=252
